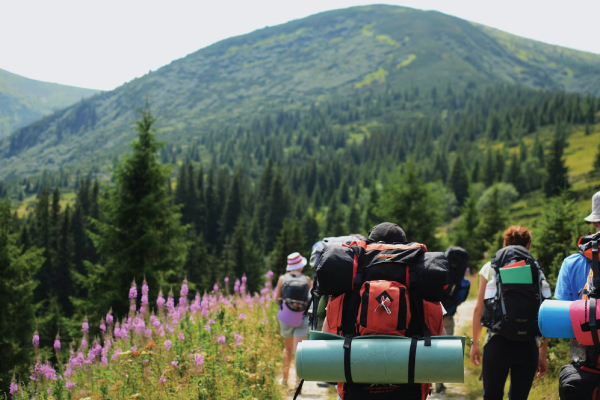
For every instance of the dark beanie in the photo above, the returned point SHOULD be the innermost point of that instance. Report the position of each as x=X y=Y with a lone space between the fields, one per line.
x=388 y=233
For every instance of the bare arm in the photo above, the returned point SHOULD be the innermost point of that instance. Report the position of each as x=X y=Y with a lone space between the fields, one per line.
x=543 y=361
x=278 y=288
x=475 y=349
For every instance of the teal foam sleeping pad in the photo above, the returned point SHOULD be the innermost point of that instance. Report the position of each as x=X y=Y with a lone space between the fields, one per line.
x=380 y=359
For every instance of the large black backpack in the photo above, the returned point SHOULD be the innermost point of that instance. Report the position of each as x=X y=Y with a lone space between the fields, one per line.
x=458 y=287
x=294 y=292
x=513 y=311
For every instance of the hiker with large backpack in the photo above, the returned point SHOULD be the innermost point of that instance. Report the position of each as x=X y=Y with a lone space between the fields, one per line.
x=579 y=278
x=511 y=289
x=383 y=286
x=293 y=293
x=575 y=269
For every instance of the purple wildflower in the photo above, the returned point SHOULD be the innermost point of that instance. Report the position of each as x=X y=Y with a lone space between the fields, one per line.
x=83 y=343
x=170 y=301
x=36 y=339
x=174 y=363
x=145 y=287
x=102 y=325
x=207 y=327
x=198 y=360
x=109 y=317
x=162 y=380
x=270 y=274
x=133 y=291
x=161 y=299
x=226 y=281
x=57 y=344
x=14 y=388
x=242 y=316
x=85 y=327
x=184 y=288
x=181 y=336
x=221 y=339
x=70 y=385
x=244 y=279
x=236 y=286
x=167 y=345
x=216 y=288
x=238 y=339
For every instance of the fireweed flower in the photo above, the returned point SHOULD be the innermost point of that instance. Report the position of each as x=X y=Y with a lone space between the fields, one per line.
x=160 y=301
x=170 y=301
x=242 y=316
x=133 y=291
x=174 y=363
x=162 y=380
x=102 y=326
x=57 y=343
x=70 y=385
x=244 y=279
x=14 y=388
x=238 y=339
x=216 y=288
x=181 y=336
x=236 y=286
x=221 y=339
x=109 y=317
x=36 y=339
x=167 y=345
x=198 y=360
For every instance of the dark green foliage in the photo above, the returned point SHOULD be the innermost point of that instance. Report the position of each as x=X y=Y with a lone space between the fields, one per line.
x=18 y=269
x=408 y=203
x=557 y=178
x=247 y=259
x=597 y=161
x=277 y=209
x=489 y=169
x=371 y=215
x=559 y=230
x=288 y=241
x=140 y=234
x=465 y=235
x=492 y=221
x=458 y=181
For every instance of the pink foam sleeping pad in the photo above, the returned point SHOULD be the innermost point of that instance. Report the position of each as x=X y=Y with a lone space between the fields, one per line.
x=579 y=311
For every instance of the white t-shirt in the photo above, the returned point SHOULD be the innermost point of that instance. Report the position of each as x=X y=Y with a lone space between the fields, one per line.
x=487 y=271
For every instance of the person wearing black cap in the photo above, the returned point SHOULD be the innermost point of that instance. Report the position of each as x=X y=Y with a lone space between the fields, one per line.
x=388 y=232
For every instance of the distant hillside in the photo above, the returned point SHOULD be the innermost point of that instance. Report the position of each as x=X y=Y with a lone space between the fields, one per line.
x=331 y=56
x=24 y=100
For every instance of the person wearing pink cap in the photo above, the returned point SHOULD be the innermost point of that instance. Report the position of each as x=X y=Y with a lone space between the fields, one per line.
x=293 y=291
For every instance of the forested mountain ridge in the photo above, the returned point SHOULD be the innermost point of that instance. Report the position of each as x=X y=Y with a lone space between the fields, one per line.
x=23 y=100
x=330 y=57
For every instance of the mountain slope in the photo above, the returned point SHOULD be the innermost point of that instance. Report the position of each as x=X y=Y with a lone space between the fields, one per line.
x=23 y=100
x=325 y=56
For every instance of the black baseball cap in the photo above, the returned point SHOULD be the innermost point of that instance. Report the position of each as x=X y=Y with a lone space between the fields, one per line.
x=388 y=233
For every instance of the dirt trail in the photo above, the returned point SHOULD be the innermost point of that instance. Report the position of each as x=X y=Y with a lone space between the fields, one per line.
x=454 y=391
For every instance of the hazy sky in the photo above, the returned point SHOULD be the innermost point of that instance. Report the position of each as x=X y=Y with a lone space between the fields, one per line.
x=103 y=44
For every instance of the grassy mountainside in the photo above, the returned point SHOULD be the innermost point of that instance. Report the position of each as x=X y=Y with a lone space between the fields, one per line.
x=24 y=100
x=332 y=55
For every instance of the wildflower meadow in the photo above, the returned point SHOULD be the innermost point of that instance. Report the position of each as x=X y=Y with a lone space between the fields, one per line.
x=219 y=346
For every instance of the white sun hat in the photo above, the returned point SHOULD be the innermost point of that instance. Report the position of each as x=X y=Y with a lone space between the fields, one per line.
x=595 y=215
x=295 y=261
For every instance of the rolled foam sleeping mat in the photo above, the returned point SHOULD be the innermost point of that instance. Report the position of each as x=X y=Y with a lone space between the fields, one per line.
x=382 y=360
x=554 y=319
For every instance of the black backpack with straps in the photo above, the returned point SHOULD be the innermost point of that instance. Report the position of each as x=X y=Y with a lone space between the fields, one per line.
x=294 y=292
x=513 y=311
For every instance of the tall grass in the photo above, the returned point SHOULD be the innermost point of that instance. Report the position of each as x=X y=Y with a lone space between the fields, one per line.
x=218 y=347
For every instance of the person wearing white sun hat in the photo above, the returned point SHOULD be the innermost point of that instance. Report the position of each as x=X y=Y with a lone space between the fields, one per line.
x=293 y=293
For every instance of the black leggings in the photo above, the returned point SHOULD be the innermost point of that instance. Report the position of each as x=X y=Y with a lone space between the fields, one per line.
x=501 y=355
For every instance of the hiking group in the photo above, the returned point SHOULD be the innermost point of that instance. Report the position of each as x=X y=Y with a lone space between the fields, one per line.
x=385 y=288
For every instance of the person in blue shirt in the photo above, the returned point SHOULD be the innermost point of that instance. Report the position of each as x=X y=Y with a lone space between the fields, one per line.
x=576 y=268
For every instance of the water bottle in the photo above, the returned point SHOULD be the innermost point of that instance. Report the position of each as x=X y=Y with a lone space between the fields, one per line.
x=546 y=291
x=491 y=289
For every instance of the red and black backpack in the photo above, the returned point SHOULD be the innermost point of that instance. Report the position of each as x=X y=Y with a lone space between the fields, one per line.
x=383 y=289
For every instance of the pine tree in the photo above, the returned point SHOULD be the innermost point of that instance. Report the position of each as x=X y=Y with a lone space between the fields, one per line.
x=513 y=174
x=371 y=215
x=287 y=242
x=410 y=205
x=233 y=205
x=597 y=162
x=557 y=172
x=335 y=220
x=310 y=232
x=492 y=222
x=558 y=229
x=211 y=230
x=278 y=209
x=42 y=229
x=489 y=169
x=140 y=235
x=195 y=267
x=64 y=264
x=18 y=268
x=247 y=259
x=458 y=181
x=464 y=235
